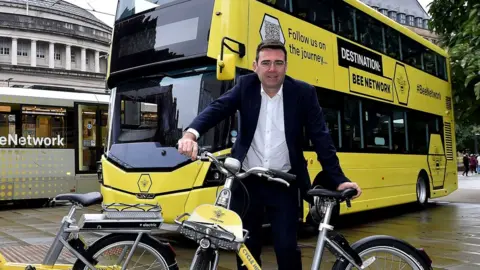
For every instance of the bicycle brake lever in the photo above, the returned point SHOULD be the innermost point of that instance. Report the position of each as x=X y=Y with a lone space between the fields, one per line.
x=279 y=180
x=348 y=203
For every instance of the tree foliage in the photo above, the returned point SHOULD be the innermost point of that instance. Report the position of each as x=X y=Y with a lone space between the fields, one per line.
x=458 y=24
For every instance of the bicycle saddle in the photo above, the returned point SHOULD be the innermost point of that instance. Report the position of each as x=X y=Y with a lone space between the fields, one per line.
x=86 y=199
x=341 y=196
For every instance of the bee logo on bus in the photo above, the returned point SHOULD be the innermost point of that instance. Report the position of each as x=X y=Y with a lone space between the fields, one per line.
x=144 y=183
x=401 y=83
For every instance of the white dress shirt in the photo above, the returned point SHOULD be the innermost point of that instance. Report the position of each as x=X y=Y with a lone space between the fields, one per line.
x=269 y=146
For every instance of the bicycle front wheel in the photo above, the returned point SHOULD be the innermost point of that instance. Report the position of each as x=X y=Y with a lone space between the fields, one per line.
x=111 y=252
x=389 y=253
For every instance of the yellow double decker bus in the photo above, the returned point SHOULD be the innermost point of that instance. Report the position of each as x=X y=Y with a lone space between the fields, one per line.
x=384 y=90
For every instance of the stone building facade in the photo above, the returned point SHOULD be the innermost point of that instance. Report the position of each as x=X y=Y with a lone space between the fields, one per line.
x=409 y=13
x=52 y=44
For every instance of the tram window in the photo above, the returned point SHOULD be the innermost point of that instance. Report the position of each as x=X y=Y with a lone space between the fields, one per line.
x=45 y=125
x=7 y=124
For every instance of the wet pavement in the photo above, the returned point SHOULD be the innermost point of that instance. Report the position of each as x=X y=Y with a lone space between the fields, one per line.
x=449 y=230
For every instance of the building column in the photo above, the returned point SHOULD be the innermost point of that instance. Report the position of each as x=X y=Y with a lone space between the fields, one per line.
x=97 y=61
x=51 y=55
x=33 y=52
x=68 y=57
x=83 y=59
x=14 y=51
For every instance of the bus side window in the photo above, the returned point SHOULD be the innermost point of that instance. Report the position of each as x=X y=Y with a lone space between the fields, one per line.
x=441 y=67
x=352 y=124
x=429 y=62
x=344 y=20
x=399 y=133
x=412 y=52
x=369 y=31
x=417 y=132
x=279 y=4
x=320 y=13
x=392 y=43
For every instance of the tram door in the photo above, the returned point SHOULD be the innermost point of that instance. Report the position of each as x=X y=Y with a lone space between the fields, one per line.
x=92 y=132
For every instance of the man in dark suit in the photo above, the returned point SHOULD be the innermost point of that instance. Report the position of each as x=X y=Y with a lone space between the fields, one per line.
x=274 y=110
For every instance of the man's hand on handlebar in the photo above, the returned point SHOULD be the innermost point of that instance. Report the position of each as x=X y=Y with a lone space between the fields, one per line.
x=188 y=146
x=354 y=185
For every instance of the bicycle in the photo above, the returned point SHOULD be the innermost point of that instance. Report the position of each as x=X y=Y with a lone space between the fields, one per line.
x=129 y=225
x=216 y=227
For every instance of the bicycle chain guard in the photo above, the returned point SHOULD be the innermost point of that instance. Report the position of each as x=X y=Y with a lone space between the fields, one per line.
x=343 y=244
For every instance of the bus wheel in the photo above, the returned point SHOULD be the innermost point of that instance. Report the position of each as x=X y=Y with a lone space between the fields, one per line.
x=422 y=192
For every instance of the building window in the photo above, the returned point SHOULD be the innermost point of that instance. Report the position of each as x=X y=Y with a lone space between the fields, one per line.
x=72 y=57
x=57 y=56
x=86 y=60
x=411 y=21
x=4 y=46
x=403 y=19
x=40 y=52
x=425 y=24
x=419 y=22
x=393 y=15
x=22 y=48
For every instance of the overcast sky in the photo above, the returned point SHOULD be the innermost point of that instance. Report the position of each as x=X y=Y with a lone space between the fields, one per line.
x=109 y=6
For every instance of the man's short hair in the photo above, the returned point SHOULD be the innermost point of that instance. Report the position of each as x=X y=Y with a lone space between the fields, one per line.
x=271 y=44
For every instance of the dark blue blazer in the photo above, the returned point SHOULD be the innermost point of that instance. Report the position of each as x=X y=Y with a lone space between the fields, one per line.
x=301 y=110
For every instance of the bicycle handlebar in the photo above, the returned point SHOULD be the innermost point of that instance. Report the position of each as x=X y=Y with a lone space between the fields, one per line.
x=270 y=174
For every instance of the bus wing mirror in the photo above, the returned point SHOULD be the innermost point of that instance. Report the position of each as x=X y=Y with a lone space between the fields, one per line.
x=226 y=67
x=226 y=61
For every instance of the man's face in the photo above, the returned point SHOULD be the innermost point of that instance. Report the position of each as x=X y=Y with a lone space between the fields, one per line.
x=271 y=67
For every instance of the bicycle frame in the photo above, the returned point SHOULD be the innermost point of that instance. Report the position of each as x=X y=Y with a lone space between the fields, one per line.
x=196 y=225
x=223 y=200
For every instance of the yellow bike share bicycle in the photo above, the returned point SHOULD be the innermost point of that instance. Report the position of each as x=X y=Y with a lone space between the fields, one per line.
x=127 y=229
x=216 y=227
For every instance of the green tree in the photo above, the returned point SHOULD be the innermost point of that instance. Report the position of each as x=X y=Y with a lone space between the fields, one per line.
x=457 y=22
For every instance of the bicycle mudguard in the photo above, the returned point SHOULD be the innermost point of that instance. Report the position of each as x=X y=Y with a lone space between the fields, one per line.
x=419 y=251
x=343 y=244
x=216 y=215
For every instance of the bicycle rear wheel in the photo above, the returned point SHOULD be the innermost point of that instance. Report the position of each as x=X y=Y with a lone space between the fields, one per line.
x=111 y=251
x=385 y=249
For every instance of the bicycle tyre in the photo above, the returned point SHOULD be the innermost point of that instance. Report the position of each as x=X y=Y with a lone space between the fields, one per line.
x=163 y=249
x=387 y=242
x=204 y=259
